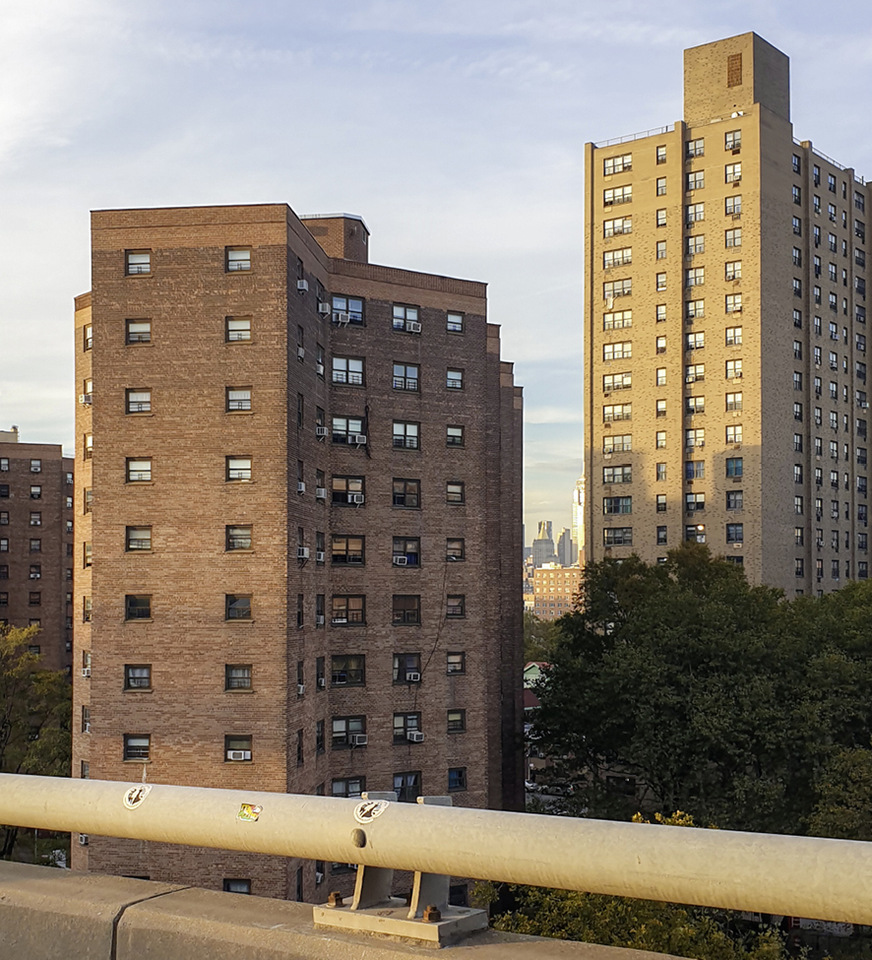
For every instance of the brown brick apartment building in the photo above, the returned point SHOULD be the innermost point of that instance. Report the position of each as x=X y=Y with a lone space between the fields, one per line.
x=36 y=544
x=726 y=344
x=554 y=590
x=299 y=533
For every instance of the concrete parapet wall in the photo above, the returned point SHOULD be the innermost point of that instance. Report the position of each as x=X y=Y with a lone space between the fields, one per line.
x=48 y=914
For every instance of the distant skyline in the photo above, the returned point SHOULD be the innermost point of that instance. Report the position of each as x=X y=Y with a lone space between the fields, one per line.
x=456 y=130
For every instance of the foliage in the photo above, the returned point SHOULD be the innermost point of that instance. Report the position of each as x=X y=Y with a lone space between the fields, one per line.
x=844 y=797
x=637 y=924
x=540 y=637
x=34 y=715
x=721 y=698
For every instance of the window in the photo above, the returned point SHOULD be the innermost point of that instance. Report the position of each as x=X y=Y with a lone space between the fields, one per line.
x=407 y=668
x=456 y=779
x=661 y=281
x=617 y=226
x=733 y=140
x=797 y=226
x=617 y=164
x=348 y=310
x=406 y=724
x=454 y=379
x=137 y=607
x=455 y=492
x=661 y=536
x=660 y=439
x=660 y=313
x=733 y=336
x=797 y=473
x=137 y=538
x=237 y=259
x=349 y=370
x=623 y=474
x=695 y=180
x=694 y=309
x=456 y=721
x=236 y=329
x=694 y=502
x=694 y=148
x=405 y=376
x=797 y=380
x=348 y=609
x=617 y=381
x=237 y=537
x=735 y=532
x=694 y=373
x=661 y=186
x=617 y=288
x=350 y=787
x=621 y=443
x=455 y=606
x=618 y=351
x=455 y=662
x=660 y=218
x=695 y=533
x=454 y=322
x=694 y=341
x=660 y=377
x=347 y=490
x=617 y=411
x=406 y=609
x=694 y=277
x=734 y=466
x=660 y=344
x=733 y=237
x=734 y=433
x=237 y=676
x=797 y=194
x=347 y=550
x=616 y=258
x=612 y=505
x=660 y=501
x=237 y=748
x=406 y=493
x=406 y=552
x=618 y=536
x=137 y=746
x=406 y=318
x=733 y=270
x=137 y=262
x=348 y=430
x=615 y=195
x=407 y=786
x=347 y=732
x=660 y=408
x=732 y=172
x=734 y=401
x=237 y=607
x=236 y=885
x=735 y=500
x=733 y=369
x=237 y=468
x=733 y=205
x=348 y=670
x=617 y=319
x=405 y=435
x=455 y=549
x=87 y=555
x=35 y=518
x=661 y=154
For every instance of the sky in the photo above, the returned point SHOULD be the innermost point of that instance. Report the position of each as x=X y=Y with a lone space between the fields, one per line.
x=455 y=129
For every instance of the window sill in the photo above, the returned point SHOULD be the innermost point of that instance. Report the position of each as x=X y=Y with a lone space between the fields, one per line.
x=237 y=413
x=138 y=690
x=240 y=620
x=242 y=690
x=240 y=550
x=138 y=413
x=140 y=620
x=126 y=760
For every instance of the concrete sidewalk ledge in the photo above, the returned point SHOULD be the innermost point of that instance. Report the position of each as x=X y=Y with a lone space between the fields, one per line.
x=49 y=914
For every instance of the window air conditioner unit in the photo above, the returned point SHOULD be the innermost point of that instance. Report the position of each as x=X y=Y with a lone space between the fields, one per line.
x=85 y=398
x=412 y=676
x=340 y=318
x=322 y=682
x=301 y=353
x=413 y=326
x=302 y=553
x=323 y=308
x=356 y=498
x=401 y=561
x=83 y=839
x=358 y=438
x=301 y=689
x=320 y=432
x=357 y=739
x=238 y=754
x=319 y=556
x=415 y=736
x=320 y=493
x=303 y=286
x=319 y=368
x=319 y=877
x=319 y=622
x=86 y=673
x=301 y=486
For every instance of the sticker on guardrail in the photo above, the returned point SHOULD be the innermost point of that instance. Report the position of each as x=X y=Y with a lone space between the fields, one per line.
x=249 y=812
x=370 y=809
x=136 y=795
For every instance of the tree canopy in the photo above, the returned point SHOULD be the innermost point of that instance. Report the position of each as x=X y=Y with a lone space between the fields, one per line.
x=722 y=699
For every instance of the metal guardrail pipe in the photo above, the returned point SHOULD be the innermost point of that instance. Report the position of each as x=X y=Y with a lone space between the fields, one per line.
x=796 y=876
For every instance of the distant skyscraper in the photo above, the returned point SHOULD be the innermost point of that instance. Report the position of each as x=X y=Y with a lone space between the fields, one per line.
x=565 y=548
x=578 y=518
x=543 y=545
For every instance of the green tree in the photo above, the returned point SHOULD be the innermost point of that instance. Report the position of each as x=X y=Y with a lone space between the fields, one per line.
x=540 y=636
x=34 y=716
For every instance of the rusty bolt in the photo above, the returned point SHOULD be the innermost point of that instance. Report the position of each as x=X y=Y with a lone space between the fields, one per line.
x=335 y=899
x=432 y=914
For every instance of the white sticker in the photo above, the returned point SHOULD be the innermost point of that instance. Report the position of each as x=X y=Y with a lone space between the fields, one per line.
x=370 y=809
x=136 y=795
